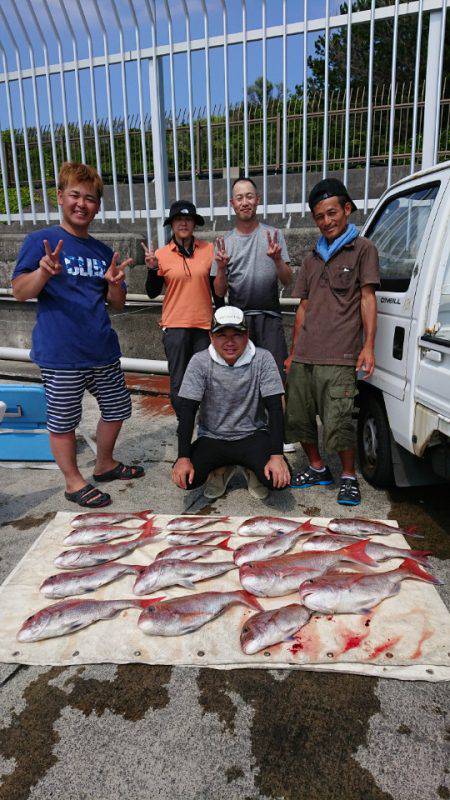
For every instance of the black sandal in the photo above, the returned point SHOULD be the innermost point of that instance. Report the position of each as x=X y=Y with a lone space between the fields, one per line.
x=121 y=472
x=89 y=497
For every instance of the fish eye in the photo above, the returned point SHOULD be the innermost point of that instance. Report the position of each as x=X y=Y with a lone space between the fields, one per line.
x=245 y=629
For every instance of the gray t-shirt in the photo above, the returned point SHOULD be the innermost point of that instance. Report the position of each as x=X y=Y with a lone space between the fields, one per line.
x=230 y=398
x=252 y=275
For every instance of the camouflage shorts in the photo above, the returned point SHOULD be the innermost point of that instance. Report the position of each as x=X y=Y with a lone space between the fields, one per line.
x=327 y=391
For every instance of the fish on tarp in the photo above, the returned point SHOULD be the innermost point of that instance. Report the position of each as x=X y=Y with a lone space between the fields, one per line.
x=375 y=550
x=283 y=575
x=265 y=526
x=97 y=534
x=188 y=613
x=190 y=552
x=276 y=544
x=69 y=616
x=272 y=627
x=175 y=572
x=353 y=593
x=107 y=517
x=355 y=527
x=195 y=537
x=91 y=556
x=82 y=581
x=190 y=523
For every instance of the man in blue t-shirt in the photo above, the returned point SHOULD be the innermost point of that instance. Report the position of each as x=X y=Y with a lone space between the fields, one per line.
x=73 y=275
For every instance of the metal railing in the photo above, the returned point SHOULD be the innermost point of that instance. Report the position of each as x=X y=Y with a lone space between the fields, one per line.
x=128 y=150
x=356 y=126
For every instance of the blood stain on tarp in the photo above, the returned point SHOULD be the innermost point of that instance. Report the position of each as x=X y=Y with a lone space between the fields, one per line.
x=427 y=634
x=296 y=647
x=381 y=648
x=28 y=522
x=352 y=639
x=307 y=641
x=31 y=737
x=293 y=723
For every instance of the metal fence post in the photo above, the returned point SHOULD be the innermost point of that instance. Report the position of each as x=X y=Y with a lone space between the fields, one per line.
x=431 y=110
x=159 y=142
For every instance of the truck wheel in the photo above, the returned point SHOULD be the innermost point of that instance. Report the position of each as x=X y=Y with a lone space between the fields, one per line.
x=374 y=443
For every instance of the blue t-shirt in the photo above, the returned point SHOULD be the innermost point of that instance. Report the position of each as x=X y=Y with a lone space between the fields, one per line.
x=73 y=329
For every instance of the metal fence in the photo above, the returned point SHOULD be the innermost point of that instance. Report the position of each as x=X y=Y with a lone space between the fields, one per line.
x=381 y=103
x=350 y=127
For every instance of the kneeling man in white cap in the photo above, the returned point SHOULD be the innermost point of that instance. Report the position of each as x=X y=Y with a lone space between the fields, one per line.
x=238 y=389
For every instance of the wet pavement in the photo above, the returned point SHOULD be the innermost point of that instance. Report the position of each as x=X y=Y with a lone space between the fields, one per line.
x=138 y=732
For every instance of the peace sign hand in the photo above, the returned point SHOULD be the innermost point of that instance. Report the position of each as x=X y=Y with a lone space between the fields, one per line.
x=150 y=257
x=273 y=246
x=115 y=274
x=50 y=263
x=222 y=257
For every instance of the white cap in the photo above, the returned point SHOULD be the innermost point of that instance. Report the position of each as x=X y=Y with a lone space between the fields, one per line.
x=228 y=317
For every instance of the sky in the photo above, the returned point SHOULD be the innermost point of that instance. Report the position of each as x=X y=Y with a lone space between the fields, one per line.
x=53 y=26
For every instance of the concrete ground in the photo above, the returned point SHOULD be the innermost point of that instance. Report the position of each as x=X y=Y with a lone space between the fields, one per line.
x=138 y=732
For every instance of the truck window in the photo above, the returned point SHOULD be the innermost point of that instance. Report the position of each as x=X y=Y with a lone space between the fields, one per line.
x=443 y=319
x=397 y=233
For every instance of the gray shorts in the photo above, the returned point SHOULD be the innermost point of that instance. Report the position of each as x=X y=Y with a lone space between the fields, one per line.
x=327 y=391
x=268 y=332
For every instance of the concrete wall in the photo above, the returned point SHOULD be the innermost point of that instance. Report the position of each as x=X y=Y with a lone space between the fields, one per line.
x=137 y=328
x=299 y=241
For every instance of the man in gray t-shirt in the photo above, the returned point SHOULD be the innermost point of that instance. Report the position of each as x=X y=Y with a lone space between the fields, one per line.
x=250 y=261
x=237 y=389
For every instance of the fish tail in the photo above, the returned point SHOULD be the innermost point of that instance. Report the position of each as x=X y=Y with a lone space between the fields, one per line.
x=149 y=602
x=306 y=526
x=148 y=531
x=149 y=525
x=144 y=514
x=413 y=570
x=224 y=544
x=357 y=551
x=248 y=599
x=420 y=556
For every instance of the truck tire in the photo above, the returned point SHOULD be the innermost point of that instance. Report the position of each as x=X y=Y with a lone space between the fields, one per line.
x=374 y=442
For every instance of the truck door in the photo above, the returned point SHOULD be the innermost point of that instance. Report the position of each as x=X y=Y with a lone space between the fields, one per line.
x=400 y=232
x=433 y=375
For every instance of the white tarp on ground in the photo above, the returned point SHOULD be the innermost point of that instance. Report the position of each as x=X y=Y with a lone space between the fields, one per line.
x=406 y=637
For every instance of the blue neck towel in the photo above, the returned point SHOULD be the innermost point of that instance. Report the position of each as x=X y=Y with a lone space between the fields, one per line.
x=328 y=250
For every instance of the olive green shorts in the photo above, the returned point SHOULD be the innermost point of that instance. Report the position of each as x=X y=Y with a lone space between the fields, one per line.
x=326 y=391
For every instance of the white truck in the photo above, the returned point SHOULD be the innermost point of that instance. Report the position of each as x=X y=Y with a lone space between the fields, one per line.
x=404 y=408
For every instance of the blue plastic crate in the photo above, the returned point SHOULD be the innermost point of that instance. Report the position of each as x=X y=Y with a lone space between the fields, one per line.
x=23 y=429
